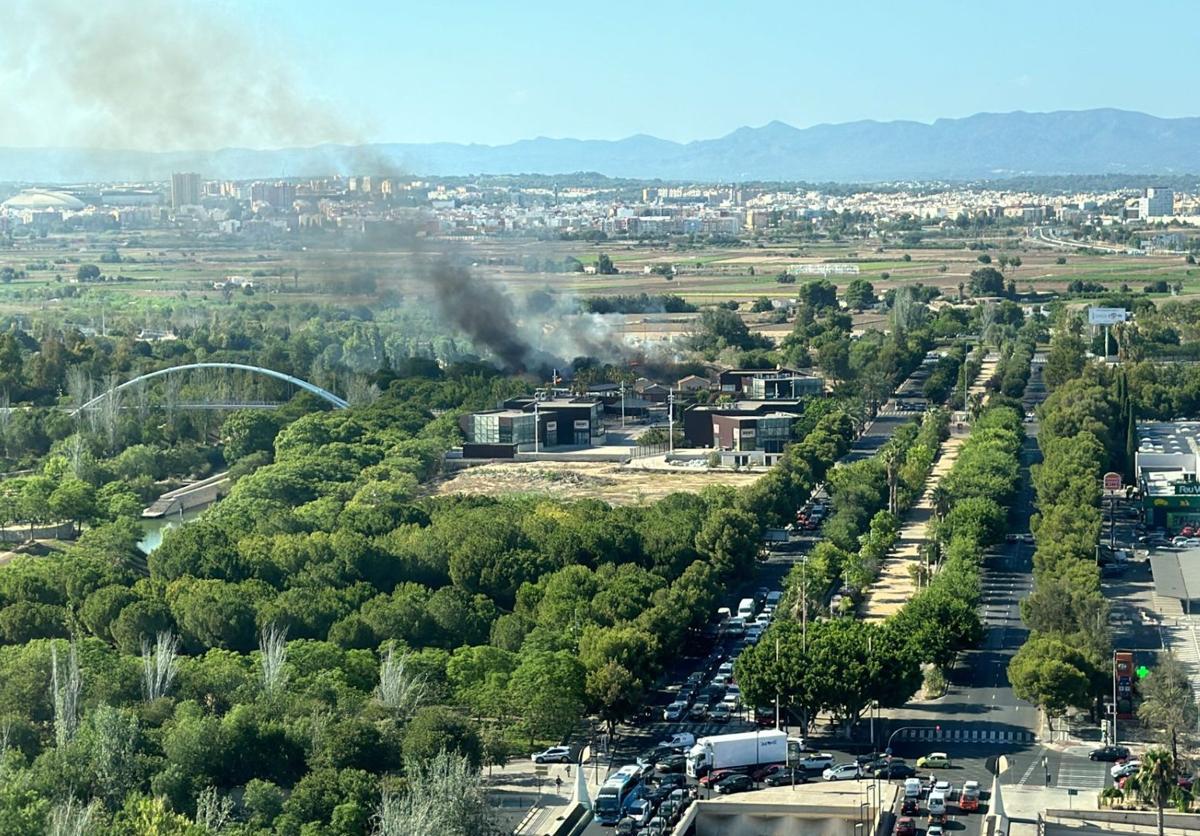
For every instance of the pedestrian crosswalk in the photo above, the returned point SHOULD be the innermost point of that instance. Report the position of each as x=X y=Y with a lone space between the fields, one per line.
x=1076 y=773
x=966 y=735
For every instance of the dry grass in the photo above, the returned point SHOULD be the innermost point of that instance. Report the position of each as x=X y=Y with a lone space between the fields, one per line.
x=613 y=483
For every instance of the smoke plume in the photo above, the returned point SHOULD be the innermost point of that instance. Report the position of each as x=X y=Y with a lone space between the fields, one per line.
x=161 y=75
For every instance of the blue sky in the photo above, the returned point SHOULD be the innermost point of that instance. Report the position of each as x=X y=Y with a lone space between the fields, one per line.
x=495 y=72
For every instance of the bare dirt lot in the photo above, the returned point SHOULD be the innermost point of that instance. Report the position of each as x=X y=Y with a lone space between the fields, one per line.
x=613 y=483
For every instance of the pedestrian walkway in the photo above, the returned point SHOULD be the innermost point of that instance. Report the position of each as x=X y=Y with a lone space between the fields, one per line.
x=531 y=800
x=1182 y=635
x=966 y=735
x=895 y=585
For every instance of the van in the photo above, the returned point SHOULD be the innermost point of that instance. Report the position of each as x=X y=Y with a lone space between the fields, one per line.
x=773 y=598
x=912 y=787
x=937 y=803
x=746 y=609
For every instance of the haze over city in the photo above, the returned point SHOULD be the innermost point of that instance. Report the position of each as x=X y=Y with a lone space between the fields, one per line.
x=648 y=419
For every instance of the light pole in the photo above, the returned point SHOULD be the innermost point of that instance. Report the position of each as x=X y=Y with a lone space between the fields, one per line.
x=671 y=422
x=535 y=426
x=622 y=404
x=1115 y=709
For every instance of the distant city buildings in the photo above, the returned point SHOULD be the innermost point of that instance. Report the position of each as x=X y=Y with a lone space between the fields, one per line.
x=1157 y=202
x=185 y=190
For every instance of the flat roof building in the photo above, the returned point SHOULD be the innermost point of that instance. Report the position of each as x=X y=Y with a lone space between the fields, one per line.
x=1168 y=472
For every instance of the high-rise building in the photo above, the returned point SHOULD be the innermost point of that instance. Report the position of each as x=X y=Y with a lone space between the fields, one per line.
x=185 y=190
x=1158 y=202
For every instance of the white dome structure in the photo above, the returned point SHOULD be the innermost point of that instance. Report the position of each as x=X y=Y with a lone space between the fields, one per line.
x=42 y=199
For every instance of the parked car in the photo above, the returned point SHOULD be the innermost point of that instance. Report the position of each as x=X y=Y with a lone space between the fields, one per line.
x=934 y=760
x=555 y=754
x=736 y=782
x=786 y=777
x=1109 y=753
x=842 y=772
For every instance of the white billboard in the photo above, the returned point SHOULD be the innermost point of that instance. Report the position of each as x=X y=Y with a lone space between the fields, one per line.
x=1107 y=316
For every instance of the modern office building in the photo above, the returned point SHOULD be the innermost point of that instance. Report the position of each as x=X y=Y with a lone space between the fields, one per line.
x=185 y=189
x=1157 y=202
x=768 y=384
x=524 y=425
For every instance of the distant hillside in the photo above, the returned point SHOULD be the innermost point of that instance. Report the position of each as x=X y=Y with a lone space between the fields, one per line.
x=987 y=145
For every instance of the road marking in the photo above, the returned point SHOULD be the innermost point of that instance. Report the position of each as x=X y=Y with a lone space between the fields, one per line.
x=1028 y=772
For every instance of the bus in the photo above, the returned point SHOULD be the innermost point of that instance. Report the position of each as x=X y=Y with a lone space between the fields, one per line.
x=622 y=787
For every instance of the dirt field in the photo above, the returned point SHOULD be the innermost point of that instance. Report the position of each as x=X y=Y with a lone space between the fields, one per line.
x=610 y=482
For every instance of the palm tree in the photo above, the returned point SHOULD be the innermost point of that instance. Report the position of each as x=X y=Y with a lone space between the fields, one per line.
x=1155 y=780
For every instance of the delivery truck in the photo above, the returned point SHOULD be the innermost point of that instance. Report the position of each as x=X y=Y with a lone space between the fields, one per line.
x=744 y=750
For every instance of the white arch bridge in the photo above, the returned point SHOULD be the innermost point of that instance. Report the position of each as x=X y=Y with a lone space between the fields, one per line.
x=337 y=402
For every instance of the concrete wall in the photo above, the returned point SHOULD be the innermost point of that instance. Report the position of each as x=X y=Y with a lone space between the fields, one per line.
x=20 y=533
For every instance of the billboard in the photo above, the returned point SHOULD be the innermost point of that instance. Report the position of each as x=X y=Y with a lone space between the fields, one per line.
x=1107 y=316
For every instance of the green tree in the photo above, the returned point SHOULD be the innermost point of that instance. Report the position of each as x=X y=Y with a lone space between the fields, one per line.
x=860 y=294
x=1052 y=675
x=729 y=538
x=73 y=500
x=248 y=431
x=605 y=266
x=547 y=691
x=87 y=273
x=614 y=693
x=987 y=281
x=1168 y=702
x=435 y=728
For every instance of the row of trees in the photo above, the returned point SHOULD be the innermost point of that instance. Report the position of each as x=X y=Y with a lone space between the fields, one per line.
x=841 y=665
x=1065 y=662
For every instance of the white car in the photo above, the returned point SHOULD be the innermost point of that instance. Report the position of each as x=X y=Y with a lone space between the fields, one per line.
x=1120 y=770
x=842 y=772
x=555 y=754
x=675 y=712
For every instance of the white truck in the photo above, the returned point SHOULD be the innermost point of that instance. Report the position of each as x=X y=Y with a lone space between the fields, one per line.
x=737 y=751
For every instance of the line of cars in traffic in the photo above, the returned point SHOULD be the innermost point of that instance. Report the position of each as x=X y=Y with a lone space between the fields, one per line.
x=710 y=693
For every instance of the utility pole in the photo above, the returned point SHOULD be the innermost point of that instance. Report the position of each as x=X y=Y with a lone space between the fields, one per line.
x=777 y=690
x=622 y=404
x=535 y=424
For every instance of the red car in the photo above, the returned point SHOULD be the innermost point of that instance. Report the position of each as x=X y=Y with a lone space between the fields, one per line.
x=905 y=826
x=715 y=776
x=765 y=772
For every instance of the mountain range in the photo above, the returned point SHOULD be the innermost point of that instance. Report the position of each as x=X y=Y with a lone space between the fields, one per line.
x=983 y=146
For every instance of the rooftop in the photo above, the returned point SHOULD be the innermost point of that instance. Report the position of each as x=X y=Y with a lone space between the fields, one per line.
x=1168 y=436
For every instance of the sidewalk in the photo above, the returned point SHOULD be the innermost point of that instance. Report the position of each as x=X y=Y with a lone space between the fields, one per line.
x=531 y=803
x=894 y=586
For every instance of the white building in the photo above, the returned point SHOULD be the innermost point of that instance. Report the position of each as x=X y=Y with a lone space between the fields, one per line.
x=1157 y=203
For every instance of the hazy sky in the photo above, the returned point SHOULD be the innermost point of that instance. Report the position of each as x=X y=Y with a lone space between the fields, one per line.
x=182 y=74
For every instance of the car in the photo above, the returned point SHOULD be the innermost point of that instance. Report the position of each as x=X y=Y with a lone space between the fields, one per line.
x=944 y=787
x=934 y=760
x=668 y=810
x=1178 y=542
x=909 y=807
x=555 y=754
x=1191 y=543
x=679 y=740
x=934 y=830
x=969 y=800
x=626 y=827
x=675 y=712
x=906 y=826
x=842 y=772
x=715 y=776
x=786 y=777
x=641 y=811
x=672 y=782
x=1109 y=753
x=1126 y=769
x=763 y=772
x=656 y=827
x=912 y=788
x=815 y=761
x=681 y=798
x=698 y=711
x=895 y=769
x=1112 y=570
x=671 y=763
x=720 y=713
x=737 y=782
